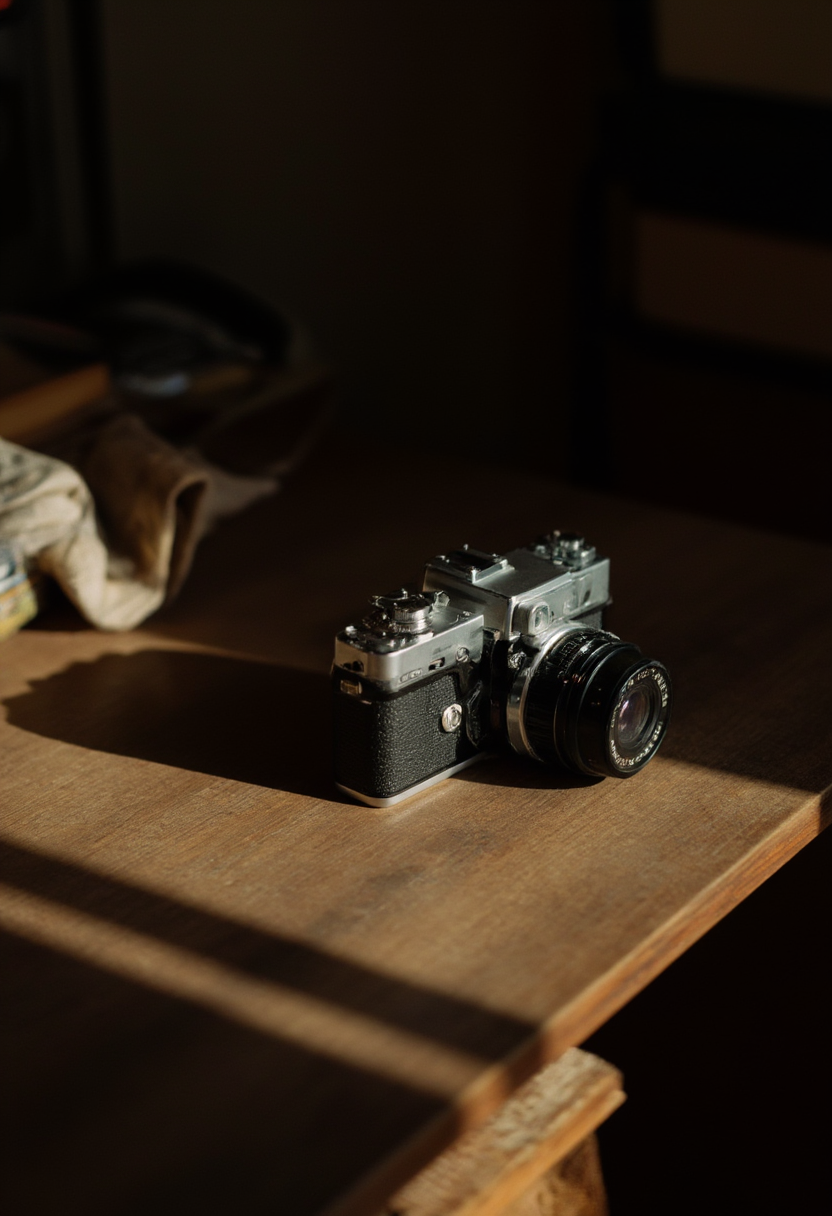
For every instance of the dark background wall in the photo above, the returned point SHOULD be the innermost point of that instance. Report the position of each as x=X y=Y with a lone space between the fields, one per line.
x=403 y=178
x=585 y=235
x=496 y=218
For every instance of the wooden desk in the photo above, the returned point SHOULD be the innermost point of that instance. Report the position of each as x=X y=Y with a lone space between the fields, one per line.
x=228 y=990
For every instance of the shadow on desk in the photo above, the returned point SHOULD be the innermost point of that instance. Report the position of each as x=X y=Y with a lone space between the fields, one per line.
x=228 y=717
x=270 y=725
x=137 y=1100
x=123 y=1098
x=520 y=772
x=138 y=1081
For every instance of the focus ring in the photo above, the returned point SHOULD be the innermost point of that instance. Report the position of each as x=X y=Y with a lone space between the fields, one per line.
x=557 y=690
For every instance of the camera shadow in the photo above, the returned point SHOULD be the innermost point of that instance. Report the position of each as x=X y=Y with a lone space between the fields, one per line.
x=248 y=721
x=510 y=770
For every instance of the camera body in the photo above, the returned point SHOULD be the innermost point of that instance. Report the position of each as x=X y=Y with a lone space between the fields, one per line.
x=493 y=651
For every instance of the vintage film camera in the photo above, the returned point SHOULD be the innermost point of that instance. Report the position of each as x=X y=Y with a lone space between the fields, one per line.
x=493 y=650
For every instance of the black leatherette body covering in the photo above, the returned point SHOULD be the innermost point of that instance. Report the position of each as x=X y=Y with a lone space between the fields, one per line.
x=385 y=743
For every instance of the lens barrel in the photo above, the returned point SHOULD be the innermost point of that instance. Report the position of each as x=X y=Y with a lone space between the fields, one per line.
x=595 y=705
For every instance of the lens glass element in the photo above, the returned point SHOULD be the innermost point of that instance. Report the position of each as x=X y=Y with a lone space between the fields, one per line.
x=639 y=718
x=635 y=717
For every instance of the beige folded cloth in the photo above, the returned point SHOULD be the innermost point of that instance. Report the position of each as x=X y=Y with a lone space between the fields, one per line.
x=116 y=527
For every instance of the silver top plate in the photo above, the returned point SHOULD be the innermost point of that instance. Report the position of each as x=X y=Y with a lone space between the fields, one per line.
x=520 y=594
x=527 y=596
x=454 y=637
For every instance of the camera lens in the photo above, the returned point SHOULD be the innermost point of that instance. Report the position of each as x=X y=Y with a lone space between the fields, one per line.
x=594 y=704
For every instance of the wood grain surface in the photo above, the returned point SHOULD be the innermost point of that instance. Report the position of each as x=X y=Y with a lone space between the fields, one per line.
x=572 y=1187
x=500 y=1168
x=228 y=989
